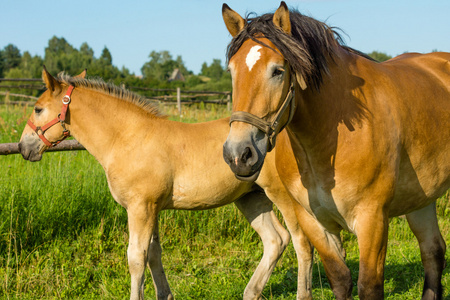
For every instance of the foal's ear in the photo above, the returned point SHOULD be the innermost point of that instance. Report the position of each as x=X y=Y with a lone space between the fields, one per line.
x=281 y=18
x=234 y=22
x=82 y=74
x=51 y=83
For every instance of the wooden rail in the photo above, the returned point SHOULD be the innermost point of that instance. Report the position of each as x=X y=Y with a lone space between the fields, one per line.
x=18 y=95
x=21 y=79
x=69 y=145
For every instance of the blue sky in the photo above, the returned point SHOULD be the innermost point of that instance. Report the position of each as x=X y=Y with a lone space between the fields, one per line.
x=195 y=30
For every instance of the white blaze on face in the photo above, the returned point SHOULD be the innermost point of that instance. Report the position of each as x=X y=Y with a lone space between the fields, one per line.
x=252 y=57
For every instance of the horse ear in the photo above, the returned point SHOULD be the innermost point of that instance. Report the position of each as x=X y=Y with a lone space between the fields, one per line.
x=281 y=18
x=301 y=81
x=234 y=22
x=82 y=74
x=50 y=82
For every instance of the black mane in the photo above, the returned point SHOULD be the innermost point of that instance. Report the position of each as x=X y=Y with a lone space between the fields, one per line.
x=307 y=50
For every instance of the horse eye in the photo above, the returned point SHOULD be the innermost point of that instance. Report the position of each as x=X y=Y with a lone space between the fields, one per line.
x=37 y=110
x=277 y=72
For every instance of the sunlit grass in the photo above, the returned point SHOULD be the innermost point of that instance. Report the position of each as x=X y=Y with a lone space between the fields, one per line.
x=62 y=236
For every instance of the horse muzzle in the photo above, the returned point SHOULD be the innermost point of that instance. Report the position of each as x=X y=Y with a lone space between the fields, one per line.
x=30 y=148
x=243 y=161
x=245 y=157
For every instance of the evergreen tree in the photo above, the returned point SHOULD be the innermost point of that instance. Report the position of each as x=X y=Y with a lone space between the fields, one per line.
x=86 y=50
x=11 y=57
x=86 y=56
x=103 y=67
x=106 y=57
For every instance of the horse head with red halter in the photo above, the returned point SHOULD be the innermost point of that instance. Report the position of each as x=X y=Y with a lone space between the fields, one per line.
x=44 y=114
x=40 y=130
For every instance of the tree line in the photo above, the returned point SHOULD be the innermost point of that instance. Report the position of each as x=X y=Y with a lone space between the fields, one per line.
x=62 y=56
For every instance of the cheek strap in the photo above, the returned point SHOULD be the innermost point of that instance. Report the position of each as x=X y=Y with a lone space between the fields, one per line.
x=271 y=129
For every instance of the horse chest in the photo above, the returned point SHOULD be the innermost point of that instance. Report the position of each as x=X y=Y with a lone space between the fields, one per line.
x=115 y=193
x=310 y=188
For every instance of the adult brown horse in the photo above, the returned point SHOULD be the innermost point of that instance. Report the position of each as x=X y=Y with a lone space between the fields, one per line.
x=366 y=141
x=152 y=164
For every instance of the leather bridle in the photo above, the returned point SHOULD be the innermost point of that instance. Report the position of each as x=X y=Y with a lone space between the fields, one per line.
x=40 y=130
x=271 y=129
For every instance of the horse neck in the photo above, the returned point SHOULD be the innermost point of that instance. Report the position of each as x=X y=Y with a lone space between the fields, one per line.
x=320 y=112
x=100 y=122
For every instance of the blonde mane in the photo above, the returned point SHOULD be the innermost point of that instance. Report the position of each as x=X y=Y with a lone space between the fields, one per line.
x=100 y=85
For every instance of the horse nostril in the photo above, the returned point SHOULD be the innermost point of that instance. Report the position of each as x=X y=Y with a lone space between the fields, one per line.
x=246 y=155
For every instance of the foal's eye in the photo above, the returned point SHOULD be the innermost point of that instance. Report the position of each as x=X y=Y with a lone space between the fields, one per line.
x=278 y=72
x=37 y=110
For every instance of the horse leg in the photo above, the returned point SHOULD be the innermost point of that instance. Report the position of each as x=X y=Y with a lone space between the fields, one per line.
x=160 y=282
x=141 y=224
x=257 y=209
x=372 y=232
x=332 y=254
x=425 y=227
x=303 y=248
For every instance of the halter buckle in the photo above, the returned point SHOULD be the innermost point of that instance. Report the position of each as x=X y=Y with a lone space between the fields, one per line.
x=64 y=101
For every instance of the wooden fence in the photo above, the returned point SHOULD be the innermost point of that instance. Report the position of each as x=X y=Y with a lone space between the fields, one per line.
x=68 y=145
x=167 y=96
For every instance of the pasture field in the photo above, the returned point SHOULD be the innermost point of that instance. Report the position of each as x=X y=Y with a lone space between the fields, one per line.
x=62 y=236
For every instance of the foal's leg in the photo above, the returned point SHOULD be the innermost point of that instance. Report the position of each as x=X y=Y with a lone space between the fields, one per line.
x=303 y=248
x=162 y=287
x=425 y=227
x=257 y=208
x=141 y=223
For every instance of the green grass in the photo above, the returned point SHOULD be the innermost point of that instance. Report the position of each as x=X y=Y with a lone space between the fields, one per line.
x=62 y=236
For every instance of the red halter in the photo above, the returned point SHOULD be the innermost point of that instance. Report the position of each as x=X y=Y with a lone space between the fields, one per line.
x=40 y=130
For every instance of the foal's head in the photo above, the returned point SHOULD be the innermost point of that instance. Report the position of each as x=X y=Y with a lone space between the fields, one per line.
x=45 y=128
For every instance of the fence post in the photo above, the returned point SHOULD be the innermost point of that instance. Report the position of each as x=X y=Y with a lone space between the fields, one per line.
x=229 y=102
x=179 y=100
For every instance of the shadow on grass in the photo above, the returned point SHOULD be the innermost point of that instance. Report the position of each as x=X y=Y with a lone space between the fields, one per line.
x=402 y=278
